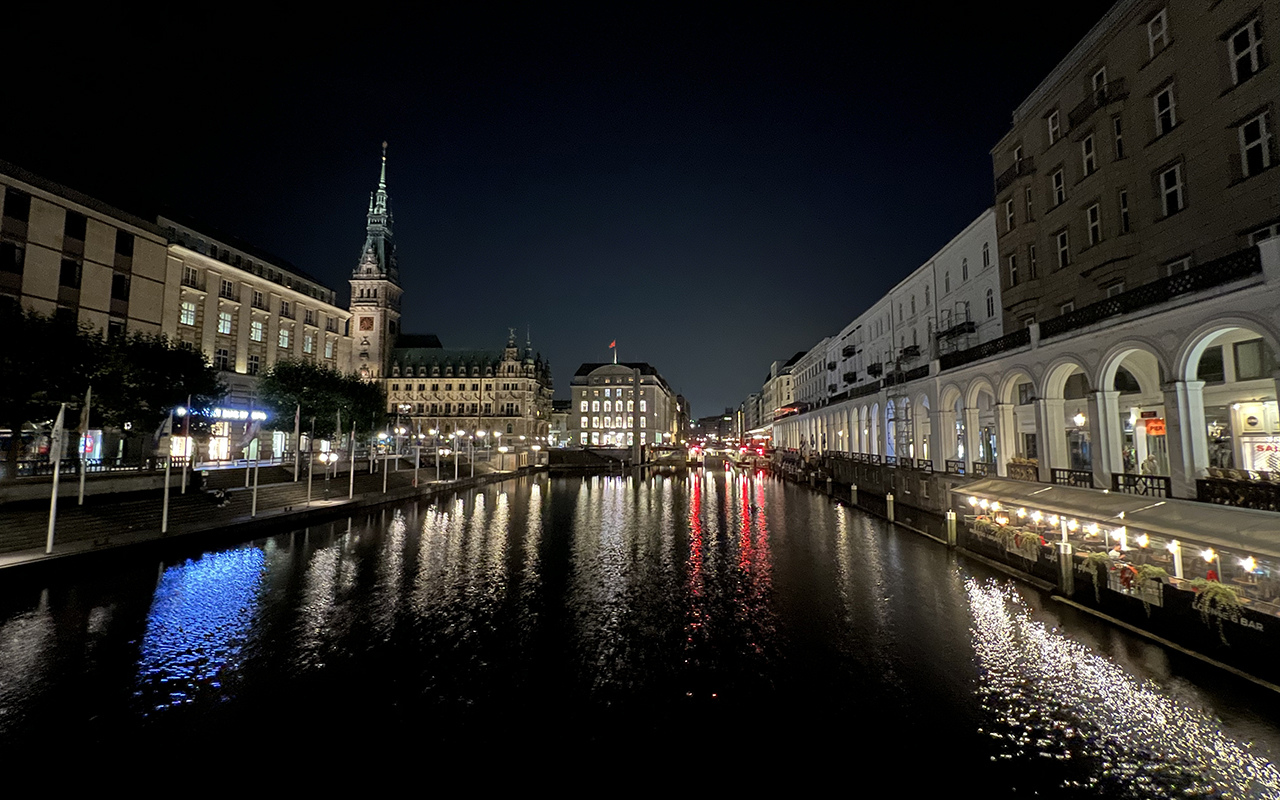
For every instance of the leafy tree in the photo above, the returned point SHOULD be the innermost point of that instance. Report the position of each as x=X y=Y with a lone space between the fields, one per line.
x=43 y=363
x=143 y=376
x=321 y=392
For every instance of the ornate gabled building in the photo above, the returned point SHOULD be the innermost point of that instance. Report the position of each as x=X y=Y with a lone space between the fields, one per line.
x=507 y=391
x=375 y=287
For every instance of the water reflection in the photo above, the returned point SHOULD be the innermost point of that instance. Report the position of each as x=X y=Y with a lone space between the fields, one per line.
x=199 y=621
x=1048 y=696
x=25 y=639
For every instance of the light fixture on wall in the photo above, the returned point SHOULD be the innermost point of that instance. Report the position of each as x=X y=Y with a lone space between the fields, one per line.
x=1079 y=419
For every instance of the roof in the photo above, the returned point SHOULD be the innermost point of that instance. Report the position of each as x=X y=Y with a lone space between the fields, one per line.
x=224 y=238
x=1241 y=530
x=439 y=355
x=30 y=178
x=644 y=367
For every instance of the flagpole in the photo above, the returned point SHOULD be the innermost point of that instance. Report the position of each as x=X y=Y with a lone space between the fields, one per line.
x=186 y=443
x=311 y=458
x=84 y=431
x=351 y=479
x=55 y=449
x=168 y=462
x=253 y=512
x=248 y=427
x=417 y=455
x=297 y=439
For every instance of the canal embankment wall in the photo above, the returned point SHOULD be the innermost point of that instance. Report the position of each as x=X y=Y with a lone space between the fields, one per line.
x=1241 y=641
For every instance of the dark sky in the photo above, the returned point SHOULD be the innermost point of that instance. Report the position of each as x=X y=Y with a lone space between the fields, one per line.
x=714 y=192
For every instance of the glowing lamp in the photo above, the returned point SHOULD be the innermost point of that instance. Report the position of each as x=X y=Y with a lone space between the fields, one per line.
x=1208 y=555
x=1143 y=540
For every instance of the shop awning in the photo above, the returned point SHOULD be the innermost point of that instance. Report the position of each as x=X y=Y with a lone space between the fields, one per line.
x=1242 y=530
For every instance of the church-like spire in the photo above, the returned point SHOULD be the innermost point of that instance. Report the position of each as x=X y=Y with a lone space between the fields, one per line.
x=378 y=258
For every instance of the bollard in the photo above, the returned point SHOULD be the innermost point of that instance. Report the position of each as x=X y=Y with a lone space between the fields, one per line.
x=951 y=529
x=853 y=493
x=1066 y=569
x=888 y=501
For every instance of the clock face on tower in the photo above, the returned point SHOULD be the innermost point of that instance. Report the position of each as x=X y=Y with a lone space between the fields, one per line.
x=366 y=323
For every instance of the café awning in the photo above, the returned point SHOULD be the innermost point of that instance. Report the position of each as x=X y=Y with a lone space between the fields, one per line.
x=1242 y=530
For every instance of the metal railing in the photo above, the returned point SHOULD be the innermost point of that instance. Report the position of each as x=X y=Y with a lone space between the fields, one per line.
x=984 y=469
x=95 y=466
x=1262 y=495
x=891 y=461
x=1073 y=477
x=924 y=464
x=1145 y=485
x=1240 y=264
x=1022 y=472
x=1023 y=166
x=1110 y=92
x=1010 y=341
x=955 y=466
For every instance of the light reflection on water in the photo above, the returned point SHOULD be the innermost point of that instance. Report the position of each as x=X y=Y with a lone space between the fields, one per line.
x=1051 y=697
x=199 y=620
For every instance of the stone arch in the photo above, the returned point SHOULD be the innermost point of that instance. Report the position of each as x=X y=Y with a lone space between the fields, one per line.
x=1013 y=377
x=1148 y=374
x=875 y=428
x=1193 y=347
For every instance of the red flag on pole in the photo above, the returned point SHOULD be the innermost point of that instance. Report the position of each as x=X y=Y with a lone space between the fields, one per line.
x=613 y=344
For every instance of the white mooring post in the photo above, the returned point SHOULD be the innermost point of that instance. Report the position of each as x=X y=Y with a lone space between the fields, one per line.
x=951 y=529
x=1066 y=569
x=888 y=501
x=853 y=493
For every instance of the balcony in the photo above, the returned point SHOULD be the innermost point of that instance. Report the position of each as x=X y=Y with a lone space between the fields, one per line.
x=910 y=351
x=850 y=377
x=1240 y=264
x=1109 y=92
x=831 y=366
x=1024 y=166
x=959 y=329
x=1010 y=341
x=848 y=351
x=876 y=369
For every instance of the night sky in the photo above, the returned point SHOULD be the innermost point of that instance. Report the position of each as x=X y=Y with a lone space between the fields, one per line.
x=714 y=192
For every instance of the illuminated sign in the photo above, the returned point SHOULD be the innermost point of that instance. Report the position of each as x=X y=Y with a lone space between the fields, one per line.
x=1155 y=427
x=236 y=413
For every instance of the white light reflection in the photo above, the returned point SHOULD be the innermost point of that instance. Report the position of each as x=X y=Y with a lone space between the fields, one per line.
x=1053 y=697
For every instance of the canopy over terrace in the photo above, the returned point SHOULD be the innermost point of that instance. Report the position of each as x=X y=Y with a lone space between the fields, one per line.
x=1237 y=529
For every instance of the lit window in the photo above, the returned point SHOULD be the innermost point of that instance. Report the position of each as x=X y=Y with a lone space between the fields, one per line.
x=256 y=332
x=582 y=437
x=583 y=406
x=584 y=423
x=644 y=422
x=188 y=316
x=284 y=337
x=224 y=322
x=1171 y=189
x=642 y=406
x=1243 y=48
x=328 y=349
x=595 y=405
x=307 y=343
x=1255 y=150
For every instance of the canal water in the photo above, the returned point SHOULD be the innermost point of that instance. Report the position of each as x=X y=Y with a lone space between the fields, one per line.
x=737 y=625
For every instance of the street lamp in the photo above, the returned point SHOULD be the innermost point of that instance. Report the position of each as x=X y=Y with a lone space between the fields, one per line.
x=456 y=446
x=327 y=457
x=435 y=441
x=502 y=458
x=483 y=437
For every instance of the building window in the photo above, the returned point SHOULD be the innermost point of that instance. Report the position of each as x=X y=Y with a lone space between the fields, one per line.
x=1064 y=249
x=986 y=256
x=1008 y=215
x=1013 y=270
x=584 y=423
x=258 y=300
x=285 y=311
x=309 y=317
x=1118 y=132
x=120 y=286
x=254 y=364
x=964 y=269
x=1166 y=116
x=1088 y=156
x=1253 y=360
x=1031 y=262
x=1243 y=47
x=12 y=255
x=124 y=244
x=226 y=289
x=595 y=405
x=17 y=204
x=595 y=422
x=1171 y=189
x=926 y=297
x=1067 y=307
x=1174 y=267
x=222 y=359
x=582 y=406
x=644 y=422
x=1115 y=289
x=946 y=282
x=224 y=322
x=1157 y=34
x=642 y=406
x=1055 y=130
x=284 y=338
x=1093 y=216
x=1059 y=188
x=1030 y=216
x=1262 y=234
x=187 y=316
x=308 y=343
x=190 y=276
x=1124 y=211
x=328 y=349
x=69 y=275
x=1255 y=149
x=991 y=304
x=256 y=330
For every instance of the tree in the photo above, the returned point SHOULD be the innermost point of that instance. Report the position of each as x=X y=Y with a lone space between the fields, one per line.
x=321 y=393
x=142 y=377
x=44 y=363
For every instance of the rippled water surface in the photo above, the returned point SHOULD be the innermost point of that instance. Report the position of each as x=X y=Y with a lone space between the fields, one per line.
x=711 y=619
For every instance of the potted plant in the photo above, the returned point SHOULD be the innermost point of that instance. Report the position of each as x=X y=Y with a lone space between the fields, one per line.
x=1099 y=564
x=1215 y=599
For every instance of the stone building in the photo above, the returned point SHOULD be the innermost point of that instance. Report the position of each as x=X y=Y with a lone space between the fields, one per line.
x=375 y=287
x=505 y=393
x=1149 y=150
x=619 y=405
x=72 y=257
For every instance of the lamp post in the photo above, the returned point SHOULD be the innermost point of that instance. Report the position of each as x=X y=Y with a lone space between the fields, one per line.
x=502 y=458
x=471 y=454
x=382 y=436
x=484 y=438
x=535 y=450
x=435 y=440
x=457 y=445
x=328 y=457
